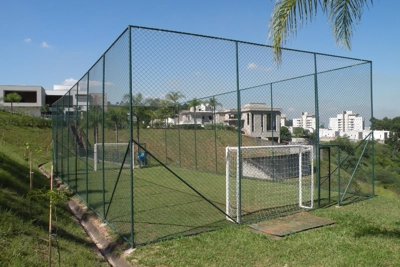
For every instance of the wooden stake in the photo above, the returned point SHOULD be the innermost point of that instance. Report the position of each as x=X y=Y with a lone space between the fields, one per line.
x=51 y=189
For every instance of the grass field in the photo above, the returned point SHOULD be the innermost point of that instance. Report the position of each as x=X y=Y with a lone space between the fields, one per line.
x=365 y=234
x=24 y=223
x=175 y=202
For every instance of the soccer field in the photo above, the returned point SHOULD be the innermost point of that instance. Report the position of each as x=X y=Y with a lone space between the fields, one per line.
x=169 y=202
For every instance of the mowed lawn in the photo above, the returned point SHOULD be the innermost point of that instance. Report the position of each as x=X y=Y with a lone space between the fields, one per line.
x=170 y=202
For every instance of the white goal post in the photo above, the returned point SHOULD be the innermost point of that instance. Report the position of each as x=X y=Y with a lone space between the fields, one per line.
x=113 y=153
x=262 y=178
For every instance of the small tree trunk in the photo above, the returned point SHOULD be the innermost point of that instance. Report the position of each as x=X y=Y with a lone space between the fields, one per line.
x=50 y=211
x=30 y=171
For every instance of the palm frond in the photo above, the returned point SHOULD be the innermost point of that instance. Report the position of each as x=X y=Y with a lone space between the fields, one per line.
x=344 y=15
x=287 y=16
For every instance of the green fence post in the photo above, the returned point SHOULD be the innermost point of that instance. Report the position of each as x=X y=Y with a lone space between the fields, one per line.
x=102 y=134
x=87 y=138
x=68 y=135
x=215 y=137
x=317 y=156
x=239 y=133
x=131 y=138
x=338 y=152
x=373 y=128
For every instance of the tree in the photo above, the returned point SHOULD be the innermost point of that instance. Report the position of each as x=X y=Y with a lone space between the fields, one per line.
x=115 y=117
x=139 y=109
x=289 y=15
x=12 y=98
x=285 y=134
x=213 y=104
x=174 y=96
x=44 y=109
x=193 y=104
x=300 y=132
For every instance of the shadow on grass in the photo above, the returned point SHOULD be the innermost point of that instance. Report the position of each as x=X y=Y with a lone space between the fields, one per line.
x=376 y=231
x=15 y=176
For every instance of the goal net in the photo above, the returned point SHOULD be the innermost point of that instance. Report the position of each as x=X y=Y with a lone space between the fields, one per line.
x=268 y=181
x=112 y=155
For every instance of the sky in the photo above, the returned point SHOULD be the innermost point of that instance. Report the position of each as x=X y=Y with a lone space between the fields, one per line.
x=55 y=42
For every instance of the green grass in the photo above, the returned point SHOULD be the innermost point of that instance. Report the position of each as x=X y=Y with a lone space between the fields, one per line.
x=365 y=234
x=167 y=206
x=24 y=224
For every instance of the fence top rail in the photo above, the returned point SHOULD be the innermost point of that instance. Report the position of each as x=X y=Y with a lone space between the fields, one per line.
x=243 y=42
x=275 y=146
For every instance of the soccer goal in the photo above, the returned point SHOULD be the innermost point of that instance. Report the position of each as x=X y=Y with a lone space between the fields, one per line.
x=113 y=155
x=265 y=179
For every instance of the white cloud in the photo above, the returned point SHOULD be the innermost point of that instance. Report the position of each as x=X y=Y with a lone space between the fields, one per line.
x=252 y=66
x=45 y=45
x=27 y=40
x=69 y=82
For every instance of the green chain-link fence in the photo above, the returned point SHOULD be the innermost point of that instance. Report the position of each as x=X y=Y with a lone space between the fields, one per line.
x=142 y=137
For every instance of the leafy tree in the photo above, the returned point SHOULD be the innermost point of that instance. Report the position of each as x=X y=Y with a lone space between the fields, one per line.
x=92 y=122
x=289 y=15
x=115 y=118
x=44 y=109
x=140 y=109
x=285 y=134
x=300 y=132
x=12 y=98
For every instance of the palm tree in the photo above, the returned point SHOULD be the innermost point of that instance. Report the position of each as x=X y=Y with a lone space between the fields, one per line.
x=288 y=15
x=13 y=97
x=193 y=104
x=174 y=96
x=214 y=104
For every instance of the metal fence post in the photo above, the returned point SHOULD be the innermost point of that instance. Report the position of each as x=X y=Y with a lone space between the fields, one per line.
x=239 y=133
x=317 y=156
x=131 y=143
x=102 y=134
x=87 y=138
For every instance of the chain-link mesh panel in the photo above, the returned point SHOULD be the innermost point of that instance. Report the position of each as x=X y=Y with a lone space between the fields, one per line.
x=170 y=103
x=269 y=181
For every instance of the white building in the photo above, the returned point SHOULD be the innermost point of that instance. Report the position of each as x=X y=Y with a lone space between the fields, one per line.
x=347 y=121
x=34 y=98
x=283 y=119
x=201 y=114
x=307 y=122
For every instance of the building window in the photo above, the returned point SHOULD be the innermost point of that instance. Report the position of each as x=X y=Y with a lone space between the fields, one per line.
x=248 y=118
x=262 y=123
x=271 y=122
x=27 y=96
x=252 y=122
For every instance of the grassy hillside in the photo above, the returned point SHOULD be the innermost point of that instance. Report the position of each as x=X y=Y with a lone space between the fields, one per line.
x=24 y=223
x=365 y=234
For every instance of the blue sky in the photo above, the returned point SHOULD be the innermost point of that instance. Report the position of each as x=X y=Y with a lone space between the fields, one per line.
x=47 y=42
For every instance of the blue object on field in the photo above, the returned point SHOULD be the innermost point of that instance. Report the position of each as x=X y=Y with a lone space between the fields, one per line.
x=142 y=159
